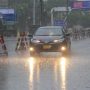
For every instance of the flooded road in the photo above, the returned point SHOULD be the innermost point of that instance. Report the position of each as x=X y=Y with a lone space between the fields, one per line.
x=50 y=71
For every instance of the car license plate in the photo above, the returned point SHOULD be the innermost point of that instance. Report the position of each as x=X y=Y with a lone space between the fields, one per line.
x=46 y=46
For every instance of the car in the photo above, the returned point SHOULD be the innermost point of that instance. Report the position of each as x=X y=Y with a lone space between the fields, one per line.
x=50 y=39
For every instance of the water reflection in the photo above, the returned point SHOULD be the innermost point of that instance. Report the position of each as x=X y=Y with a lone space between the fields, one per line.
x=58 y=67
x=38 y=72
x=34 y=73
x=3 y=60
x=62 y=64
x=55 y=71
x=31 y=63
x=38 y=75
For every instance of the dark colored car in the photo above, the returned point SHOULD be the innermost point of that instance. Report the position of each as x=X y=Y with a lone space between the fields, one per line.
x=50 y=39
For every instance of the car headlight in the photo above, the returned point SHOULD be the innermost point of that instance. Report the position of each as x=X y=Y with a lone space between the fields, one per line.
x=57 y=41
x=31 y=49
x=63 y=48
x=35 y=41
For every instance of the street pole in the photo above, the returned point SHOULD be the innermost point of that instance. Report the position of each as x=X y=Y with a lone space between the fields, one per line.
x=34 y=12
x=52 y=18
x=41 y=12
x=67 y=14
x=67 y=8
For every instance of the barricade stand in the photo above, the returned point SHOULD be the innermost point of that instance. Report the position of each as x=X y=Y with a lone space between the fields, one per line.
x=22 y=43
x=3 y=49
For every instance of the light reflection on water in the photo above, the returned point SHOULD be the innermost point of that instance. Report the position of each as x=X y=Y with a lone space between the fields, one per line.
x=31 y=63
x=62 y=63
x=55 y=72
x=59 y=71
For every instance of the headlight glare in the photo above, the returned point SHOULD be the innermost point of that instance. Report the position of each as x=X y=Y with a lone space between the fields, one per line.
x=31 y=49
x=36 y=41
x=56 y=41
x=63 y=48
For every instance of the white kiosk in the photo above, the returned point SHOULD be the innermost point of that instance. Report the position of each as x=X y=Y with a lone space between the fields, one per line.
x=62 y=11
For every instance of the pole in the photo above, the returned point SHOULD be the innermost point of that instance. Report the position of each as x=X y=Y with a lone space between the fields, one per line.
x=34 y=12
x=52 y=23
x=41 y=12
x=67 y=9
x=67 y=14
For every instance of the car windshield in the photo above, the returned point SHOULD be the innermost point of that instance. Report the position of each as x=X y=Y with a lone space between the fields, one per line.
x=48 y=32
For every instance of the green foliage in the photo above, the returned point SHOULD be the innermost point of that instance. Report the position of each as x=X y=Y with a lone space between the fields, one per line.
x=24 y=9
x=21 y=7
x=79 y=17
x=55 y=3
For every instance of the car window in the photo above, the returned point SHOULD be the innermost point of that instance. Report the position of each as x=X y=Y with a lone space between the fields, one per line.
x=48 y=32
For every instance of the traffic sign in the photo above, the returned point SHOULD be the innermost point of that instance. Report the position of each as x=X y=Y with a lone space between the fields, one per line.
x=86 y=4
x=80 y=4
x=61 y=9
x=59 y=22
x=8 y=14
x=9 y=17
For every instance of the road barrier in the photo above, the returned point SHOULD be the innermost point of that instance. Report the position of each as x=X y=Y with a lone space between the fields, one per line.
x=80 y=34
x=22 y=42
x=3 y=49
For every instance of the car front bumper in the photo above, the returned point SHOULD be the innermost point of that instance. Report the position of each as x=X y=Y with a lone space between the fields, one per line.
x=48 y=47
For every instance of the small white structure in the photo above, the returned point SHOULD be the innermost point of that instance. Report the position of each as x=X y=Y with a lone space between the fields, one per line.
x=7 y=11
x=58 y=9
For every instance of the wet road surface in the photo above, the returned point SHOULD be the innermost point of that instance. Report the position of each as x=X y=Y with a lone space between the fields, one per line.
x=50 y=71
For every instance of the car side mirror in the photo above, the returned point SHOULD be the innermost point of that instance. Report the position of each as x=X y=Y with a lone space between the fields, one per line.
x=30 y=35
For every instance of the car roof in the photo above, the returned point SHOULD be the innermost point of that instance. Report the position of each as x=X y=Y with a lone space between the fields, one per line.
x=51 y=27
